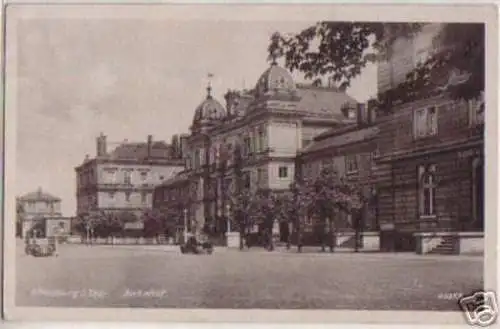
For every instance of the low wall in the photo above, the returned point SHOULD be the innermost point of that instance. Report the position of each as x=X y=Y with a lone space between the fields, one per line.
x=472 y=243
x=462 y=242
x=426 y=242
x=120 y=241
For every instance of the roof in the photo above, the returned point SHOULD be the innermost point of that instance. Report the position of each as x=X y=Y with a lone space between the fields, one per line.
x=179 y=178
x=275 y=78
x=39 y=195
x=209 y=110
x=140 y=151
x=347 y=138
x=323 y=102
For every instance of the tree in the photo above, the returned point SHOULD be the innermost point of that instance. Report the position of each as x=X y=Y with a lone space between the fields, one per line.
x=154 y=223
x=296 y=205
x=242 y=203
x=127 y=217
x=325 y=197
x=344 y=49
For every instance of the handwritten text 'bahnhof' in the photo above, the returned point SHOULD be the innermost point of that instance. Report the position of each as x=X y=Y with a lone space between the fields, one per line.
x=97 y=294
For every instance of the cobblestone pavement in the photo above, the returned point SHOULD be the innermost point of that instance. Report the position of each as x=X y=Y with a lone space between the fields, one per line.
x=124 y=276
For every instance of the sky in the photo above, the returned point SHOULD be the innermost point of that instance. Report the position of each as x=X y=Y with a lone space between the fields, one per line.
x=127 y=78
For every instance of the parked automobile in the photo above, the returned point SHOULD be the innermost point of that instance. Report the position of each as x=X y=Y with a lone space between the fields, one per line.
x=40 y=247
x=193 y=246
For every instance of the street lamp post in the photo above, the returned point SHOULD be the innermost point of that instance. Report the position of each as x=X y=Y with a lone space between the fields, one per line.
x=185 y=225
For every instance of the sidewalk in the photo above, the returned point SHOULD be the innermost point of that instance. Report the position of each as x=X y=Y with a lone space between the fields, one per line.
x=306 y=252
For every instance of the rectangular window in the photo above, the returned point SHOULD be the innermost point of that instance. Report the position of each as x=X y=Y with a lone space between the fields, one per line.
x=247 y=146
x=283 y=172
x=111 y=195
x=262 y=141
x=351 y=163
x=144 y=197
x=197 y=158
x=127 y=196
x=144 y=175
x=425 y=122
x=127 y=177
x=260 y=176
x=246 y=180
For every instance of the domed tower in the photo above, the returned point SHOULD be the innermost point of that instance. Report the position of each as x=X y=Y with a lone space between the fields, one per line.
x=276 y=89
x=275 y=80
x=209 y=113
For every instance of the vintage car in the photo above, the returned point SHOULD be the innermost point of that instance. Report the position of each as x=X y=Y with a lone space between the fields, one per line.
x=193 y=246
x=40 y=247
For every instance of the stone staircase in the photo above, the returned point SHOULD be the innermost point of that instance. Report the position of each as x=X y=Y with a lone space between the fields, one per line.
x=447 y=246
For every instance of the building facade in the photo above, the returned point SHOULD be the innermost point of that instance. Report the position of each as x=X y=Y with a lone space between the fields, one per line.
x=252 y=142
x=122 y=180
x=431 y=157
x=433 y=153
x=405 y=55
x=351 y=150
x=33 y=208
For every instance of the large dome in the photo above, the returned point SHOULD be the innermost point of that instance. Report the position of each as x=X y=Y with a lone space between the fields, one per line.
x=275 y=78
x=209 y=110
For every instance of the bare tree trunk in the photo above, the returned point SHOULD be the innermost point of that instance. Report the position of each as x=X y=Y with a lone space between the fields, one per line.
x=269 y=231
x=331 y=234
x=323 y=232
x=299 y=235
x=242 y=237
x=289 y=237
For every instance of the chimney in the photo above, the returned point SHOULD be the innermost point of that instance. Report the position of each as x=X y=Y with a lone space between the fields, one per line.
x=150 y=145
x=183 y=139
x=175 y=146
x=101 y=145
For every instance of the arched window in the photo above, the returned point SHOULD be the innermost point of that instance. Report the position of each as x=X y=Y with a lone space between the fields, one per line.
x=427 y=190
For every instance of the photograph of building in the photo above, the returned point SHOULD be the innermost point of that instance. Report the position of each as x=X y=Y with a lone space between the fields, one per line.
x=122 y=179
x=316 y=165
x=34 y=209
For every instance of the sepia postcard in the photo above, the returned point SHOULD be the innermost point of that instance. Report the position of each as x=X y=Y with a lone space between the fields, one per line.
x=289 y=163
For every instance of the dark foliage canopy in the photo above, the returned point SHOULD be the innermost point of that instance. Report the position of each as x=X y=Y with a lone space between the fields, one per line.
x=339 y=51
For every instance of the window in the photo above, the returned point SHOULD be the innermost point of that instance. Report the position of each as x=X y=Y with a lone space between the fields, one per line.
x=262 y=141
x=127 y=196
x=196 y=159
x=246 y=180
x=425 y=122
x=427 y=190
x=111 y=195
x=351 y=163
x=476 y=111
x=127 y=177
x=144 y=175
x=247 y=145
x=283 y=172
x=260 y=175
x=144 y=197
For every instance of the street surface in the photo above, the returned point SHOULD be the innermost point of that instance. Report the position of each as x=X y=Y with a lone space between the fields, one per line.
x=160 y=276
